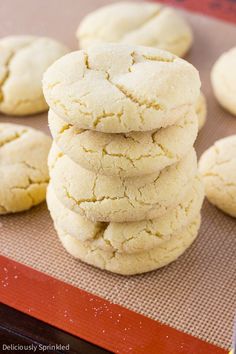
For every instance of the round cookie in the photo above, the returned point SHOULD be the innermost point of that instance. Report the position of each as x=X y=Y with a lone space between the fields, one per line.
x=127 y=155
x=23 y=167
x=201 y=110
x=218 y=169
x=129 y=264
x=144 y=23
x=23 y=60
x=117 y=88
x=129 y=237
x=102 y=198
x=223 y=79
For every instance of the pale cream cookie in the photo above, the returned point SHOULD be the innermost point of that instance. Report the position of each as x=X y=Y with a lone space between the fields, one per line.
x=127 y=155
x=23 y=167
x=102 y=198
x=118 y=88
x=129 y=237
x=141 y=23
x=23 y=60
x=129 y=264
x=223 y=79
x=218 y=169
x=201 y=110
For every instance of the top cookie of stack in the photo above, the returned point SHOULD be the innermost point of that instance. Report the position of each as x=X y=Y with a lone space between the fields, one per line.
x=122 y=109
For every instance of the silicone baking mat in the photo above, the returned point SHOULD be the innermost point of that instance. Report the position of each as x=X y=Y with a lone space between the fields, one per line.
x=194 y=295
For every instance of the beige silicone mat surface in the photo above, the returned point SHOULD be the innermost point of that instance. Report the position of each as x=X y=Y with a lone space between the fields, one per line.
x=197 y=293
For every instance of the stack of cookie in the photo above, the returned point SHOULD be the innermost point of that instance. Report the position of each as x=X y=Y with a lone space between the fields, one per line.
x=124 y=192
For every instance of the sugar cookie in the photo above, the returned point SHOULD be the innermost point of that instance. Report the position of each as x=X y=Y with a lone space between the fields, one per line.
x=128 y=264
x=23 y=60
x=127 y=237
x=142 y=23
x=131 y=154
x=23 y=167
x=107 y=88
x=218 y=169
x=103 y=198
x=223 y=78
x=201 y=110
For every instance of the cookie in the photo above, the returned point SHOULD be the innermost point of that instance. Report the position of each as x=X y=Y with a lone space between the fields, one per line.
x=23 y=60
x=223 y=79
x=144 y=23
x=129 y=264
x=127 y=155
x=201 y=110
x=107 y=88
x=130 y=237
x=218 y=169
x=102 y=198
x=23 y=167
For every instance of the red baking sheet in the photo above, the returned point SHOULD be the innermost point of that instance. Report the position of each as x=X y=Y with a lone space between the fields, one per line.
x=90 y=317
x=222 y=9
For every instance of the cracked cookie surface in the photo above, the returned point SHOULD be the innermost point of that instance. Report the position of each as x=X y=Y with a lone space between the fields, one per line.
x=23 y=60
x=144 y=23
x=129 y=264
x=201 y=110
x=217 y=166
x=105 y=198
x=23 y=167
x=130 y=154
x=223 y=79
x=118 y=88
x=132 y=237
